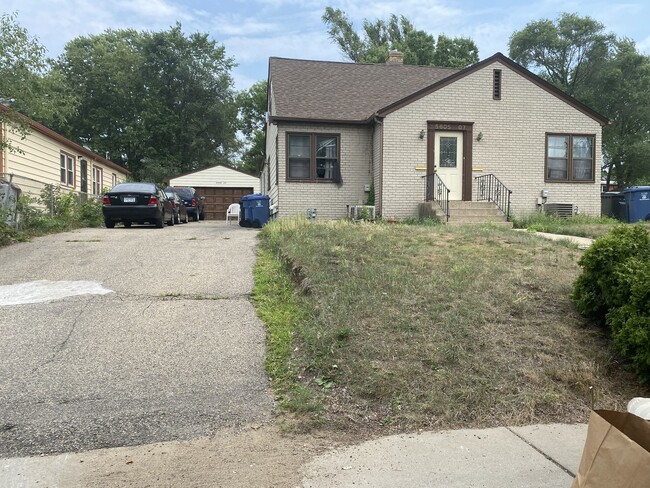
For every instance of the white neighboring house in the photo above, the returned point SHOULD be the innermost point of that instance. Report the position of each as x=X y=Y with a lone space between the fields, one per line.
x=335 y=130
x=44 y=157
x=220 y=185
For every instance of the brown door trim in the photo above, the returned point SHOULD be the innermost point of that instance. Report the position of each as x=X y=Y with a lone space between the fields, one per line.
x=467 y=129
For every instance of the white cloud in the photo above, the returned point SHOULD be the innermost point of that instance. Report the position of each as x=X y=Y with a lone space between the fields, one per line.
x=236 y=25
x=154 y=9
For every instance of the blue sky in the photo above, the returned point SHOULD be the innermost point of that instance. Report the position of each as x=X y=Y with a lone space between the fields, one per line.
x=253 y=30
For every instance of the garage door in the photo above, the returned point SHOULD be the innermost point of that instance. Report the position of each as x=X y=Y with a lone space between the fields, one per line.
x=217 y=200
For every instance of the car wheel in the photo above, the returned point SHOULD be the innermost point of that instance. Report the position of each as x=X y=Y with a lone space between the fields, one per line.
x=201 y=216
x=177 y=217
x=127 y=224
x=171 y=221
x=160 y=222
x=109 y=223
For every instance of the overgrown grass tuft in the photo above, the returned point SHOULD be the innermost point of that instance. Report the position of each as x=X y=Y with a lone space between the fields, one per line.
x=278 y=306
x=406 y=326
x=35 y=218
x=578 y=225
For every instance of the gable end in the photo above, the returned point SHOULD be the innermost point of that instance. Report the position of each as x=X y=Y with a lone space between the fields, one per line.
x=498 y=57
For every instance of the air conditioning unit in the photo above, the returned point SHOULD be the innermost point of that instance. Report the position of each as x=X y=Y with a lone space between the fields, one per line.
x=361 y=212
x=560 y=209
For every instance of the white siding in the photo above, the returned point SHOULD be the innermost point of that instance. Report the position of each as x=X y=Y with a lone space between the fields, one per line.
x=218 y=177
x=39 y=159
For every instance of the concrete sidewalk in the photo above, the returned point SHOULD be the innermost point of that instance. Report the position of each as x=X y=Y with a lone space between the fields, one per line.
x=581 y=242
x=537 y=456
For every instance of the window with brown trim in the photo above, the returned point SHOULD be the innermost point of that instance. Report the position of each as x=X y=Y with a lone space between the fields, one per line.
x=569 y=157
x=496 y=84
x=67 y=170
x=313 y=157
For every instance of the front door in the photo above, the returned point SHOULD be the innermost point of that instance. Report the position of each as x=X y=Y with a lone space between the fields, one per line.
x=448 y=160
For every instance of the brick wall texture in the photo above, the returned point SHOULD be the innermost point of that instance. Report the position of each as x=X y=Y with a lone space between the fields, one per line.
x=392 y=156
x=512 y=148
x=329 y=199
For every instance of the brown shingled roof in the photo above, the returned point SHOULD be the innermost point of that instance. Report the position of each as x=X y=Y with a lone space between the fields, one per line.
x=349 y=92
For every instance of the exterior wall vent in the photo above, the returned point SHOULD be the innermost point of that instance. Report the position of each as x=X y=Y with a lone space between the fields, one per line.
x=563 y=210
x=496 y=84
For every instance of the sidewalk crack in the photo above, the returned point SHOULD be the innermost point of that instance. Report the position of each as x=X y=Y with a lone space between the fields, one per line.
x=566 y=470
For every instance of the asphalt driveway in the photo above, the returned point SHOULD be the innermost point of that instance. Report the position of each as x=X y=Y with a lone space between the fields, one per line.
x=172 y=350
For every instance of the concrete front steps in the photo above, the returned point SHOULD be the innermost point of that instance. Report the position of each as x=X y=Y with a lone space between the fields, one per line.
x=461 y=213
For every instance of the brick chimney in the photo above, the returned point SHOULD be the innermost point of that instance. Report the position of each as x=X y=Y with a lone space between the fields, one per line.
x=395 y=57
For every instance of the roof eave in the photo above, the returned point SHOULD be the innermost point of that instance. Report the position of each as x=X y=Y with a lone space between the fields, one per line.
x=306 y=120
x=38 y=127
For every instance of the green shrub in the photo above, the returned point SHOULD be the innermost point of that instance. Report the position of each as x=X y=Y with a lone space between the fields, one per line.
x=630 y=322
x=614 y=289
x=596 y=291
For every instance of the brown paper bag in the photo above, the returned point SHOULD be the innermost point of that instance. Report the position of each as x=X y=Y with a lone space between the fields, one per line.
x=616 y=453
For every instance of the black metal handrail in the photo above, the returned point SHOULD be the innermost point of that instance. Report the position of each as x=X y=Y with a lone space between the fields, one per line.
x=437 y=191
x=490 y=188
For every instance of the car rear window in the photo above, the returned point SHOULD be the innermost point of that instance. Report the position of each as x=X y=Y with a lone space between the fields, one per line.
x=134 y=187
x=184 y=192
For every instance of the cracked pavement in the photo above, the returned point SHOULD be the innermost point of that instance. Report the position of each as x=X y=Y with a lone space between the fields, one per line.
x=175 y=353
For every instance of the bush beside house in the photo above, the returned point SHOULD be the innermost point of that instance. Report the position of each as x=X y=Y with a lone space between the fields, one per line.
x=614 y=289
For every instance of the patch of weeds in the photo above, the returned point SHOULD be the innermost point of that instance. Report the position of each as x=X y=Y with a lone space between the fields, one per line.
x=417 y=325
x=426 y=222
x=578 y=225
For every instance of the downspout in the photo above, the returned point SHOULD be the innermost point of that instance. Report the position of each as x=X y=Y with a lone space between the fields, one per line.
x=378 y=121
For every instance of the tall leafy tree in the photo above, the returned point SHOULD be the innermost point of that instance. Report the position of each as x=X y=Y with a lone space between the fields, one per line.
x=621 y=91
x=379 y=37
x=566 y=52
x=252 y=107
x=27 y=83
x=106 y=72
x=577 y=55
x=159 y=103
x=192 y=114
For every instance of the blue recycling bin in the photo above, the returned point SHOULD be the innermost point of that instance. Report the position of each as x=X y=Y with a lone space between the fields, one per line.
x=637 y=200
x=254 y=210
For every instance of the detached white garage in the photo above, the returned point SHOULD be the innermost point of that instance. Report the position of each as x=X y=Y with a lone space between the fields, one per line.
x=220 y=185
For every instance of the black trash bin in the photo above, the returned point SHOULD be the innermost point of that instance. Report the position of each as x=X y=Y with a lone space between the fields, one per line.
x=245 y=211
x=637 y=200
x=612 y=204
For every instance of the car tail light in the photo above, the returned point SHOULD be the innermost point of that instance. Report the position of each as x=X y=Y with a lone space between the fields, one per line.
x=193 y=202
x=106 y=200
x=153 y=200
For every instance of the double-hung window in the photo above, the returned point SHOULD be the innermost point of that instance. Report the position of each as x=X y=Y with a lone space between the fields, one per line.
x=569 y=158
x=313 y=157
x=67 y=170
x=97 y=180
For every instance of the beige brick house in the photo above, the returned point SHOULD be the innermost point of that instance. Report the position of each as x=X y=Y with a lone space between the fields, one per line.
x=419 y=133
x=44 y=157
